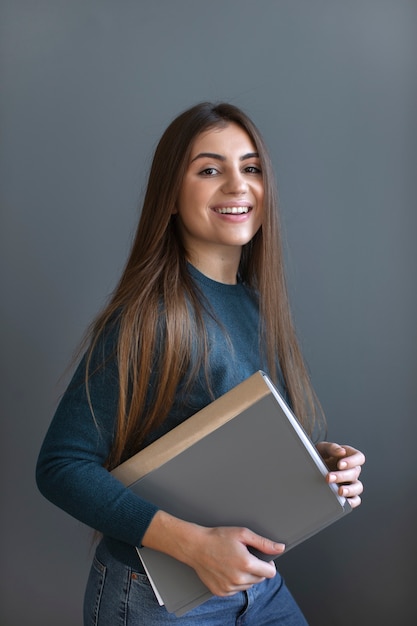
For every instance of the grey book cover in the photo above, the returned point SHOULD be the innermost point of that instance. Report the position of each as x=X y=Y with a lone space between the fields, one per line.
x=242 y=461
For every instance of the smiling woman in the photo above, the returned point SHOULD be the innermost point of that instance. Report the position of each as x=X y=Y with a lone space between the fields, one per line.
x=201 y=305
x=220 y=203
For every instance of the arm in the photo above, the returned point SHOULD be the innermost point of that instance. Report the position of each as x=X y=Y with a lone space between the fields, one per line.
x=345 y=466
x=70 y=470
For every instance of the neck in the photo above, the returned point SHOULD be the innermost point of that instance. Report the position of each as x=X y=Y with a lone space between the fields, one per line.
x=221 y=266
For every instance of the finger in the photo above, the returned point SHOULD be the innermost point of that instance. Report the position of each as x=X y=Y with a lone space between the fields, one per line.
x=352 y=490
x=240 y=580
x=344 y=476
x=342 y=456
x=355 y=460
x=353 y=457
x=354 y=502
x=331 y=453
x=232 y=589
x=329 y=450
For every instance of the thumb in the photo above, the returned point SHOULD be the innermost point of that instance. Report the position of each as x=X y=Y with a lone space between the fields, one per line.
x=267 y=546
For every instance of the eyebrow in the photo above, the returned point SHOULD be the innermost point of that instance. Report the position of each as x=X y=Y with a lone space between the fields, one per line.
x=219 y=157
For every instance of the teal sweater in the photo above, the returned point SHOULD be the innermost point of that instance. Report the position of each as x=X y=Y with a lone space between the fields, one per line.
x=70 y=469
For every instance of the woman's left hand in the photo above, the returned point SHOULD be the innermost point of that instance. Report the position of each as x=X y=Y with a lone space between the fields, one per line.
x=345 y=465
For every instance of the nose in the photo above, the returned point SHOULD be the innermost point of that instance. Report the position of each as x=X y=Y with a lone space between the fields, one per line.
x=235 y=182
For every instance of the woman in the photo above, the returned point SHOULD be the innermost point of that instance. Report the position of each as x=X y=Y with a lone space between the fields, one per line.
x=202 y=289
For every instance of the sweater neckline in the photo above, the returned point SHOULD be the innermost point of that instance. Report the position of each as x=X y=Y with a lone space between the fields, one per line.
x=214 y=284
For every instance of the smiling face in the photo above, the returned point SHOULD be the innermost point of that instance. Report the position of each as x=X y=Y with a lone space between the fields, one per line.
x=220 y=204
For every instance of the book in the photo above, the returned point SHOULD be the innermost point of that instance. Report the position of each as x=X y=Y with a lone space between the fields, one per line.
x=243 y=460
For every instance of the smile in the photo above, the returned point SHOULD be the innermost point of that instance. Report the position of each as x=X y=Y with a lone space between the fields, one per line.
x=233 y=210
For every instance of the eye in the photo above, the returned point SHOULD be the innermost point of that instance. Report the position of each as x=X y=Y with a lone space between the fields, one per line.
x=252 y=169
x=209 y=171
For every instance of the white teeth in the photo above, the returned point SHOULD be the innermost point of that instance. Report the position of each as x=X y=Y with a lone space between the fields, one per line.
x=235 y=210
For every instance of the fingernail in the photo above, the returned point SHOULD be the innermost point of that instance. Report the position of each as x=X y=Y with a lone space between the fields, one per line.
x=332 y=478
x=342 y=464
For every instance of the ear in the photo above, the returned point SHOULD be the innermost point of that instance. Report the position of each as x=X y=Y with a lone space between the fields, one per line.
x=174 y=210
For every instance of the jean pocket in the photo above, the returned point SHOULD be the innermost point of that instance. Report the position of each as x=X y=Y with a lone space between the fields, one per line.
x=94 y=592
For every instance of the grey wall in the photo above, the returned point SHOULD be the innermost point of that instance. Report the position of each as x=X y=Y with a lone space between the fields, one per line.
x=88 y=87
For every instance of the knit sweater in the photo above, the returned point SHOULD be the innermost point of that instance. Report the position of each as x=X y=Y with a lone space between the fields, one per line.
x=70 y=470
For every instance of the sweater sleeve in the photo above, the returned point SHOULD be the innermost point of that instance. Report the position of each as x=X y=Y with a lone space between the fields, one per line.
x=70 y=470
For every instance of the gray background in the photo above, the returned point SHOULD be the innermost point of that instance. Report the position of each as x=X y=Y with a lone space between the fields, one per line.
x=87 y=88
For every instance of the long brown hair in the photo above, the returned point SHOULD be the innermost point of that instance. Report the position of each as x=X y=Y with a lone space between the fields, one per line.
x=155 y=291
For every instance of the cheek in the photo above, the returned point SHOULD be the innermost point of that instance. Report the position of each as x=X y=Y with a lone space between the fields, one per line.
x=259 y=194
x=187 y=198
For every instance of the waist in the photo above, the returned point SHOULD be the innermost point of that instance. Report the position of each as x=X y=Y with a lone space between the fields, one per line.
x=122 y=552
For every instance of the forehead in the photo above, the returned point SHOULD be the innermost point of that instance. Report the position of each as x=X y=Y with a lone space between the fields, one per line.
x=223 y=140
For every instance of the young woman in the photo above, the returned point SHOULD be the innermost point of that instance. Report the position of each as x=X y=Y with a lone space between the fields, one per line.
x=200 y=306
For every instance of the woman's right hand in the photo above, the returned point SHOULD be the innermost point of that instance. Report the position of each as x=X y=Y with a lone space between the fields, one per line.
x=224 y=563
x=220 y=556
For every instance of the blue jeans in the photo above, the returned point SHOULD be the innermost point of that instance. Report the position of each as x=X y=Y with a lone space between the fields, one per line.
x=118 y=596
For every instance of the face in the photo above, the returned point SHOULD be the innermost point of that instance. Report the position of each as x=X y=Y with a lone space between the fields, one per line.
x=220 y=204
